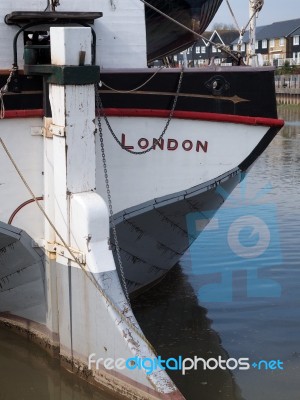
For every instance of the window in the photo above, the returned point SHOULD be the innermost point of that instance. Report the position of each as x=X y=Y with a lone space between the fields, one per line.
x=256 y=44
x=235 y=47
x=197 y=50
x=214 y=50
x=282 y=41
x=296 y=40
x=272 y=43
x=264 y=44
x=203 y=49
x=243 y=47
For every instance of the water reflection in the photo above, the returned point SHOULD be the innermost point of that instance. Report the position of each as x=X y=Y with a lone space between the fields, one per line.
x=290 y=114
x=28 y=373
x=177 y=326
x=258 y=327
x=178 y=323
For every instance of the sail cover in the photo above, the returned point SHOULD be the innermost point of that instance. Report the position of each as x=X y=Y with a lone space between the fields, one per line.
x=164 y=37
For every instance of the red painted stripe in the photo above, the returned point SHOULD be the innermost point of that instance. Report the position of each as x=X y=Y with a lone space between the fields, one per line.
x=203 y=116
x=193 y=115
x=23 y=113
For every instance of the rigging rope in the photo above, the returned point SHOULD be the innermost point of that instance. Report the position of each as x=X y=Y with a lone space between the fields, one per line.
x=257 y=7
x=258 y=4
x=233 y=16
x=132 y=90
x=218 y=45
x=90 y=276
x=99 y=106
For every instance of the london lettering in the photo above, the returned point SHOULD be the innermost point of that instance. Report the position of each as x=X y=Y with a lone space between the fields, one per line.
x=166 y=144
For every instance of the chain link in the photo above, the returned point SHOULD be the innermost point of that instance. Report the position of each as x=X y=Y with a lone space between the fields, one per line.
x=100 y=107
x=90 y=276
x=110 y=207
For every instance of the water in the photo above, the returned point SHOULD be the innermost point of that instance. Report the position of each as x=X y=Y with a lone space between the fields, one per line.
x=29 y=373
x=179 y=318
x=243 y=317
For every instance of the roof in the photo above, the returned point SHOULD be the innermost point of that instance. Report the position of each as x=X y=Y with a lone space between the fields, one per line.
x=246 y=35
x=220 y=36
x=279 y=29
x=275 y=30
x=296 y=32
x=229 y=35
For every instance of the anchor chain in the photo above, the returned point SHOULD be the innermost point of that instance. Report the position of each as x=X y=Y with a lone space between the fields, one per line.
x=99 y=106
x=120 y=312
x=110 y=207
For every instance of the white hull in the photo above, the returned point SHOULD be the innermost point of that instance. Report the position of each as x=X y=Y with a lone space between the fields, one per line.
x=151 y=193
x=22 y=278
x=205 y=150
x=134 y=179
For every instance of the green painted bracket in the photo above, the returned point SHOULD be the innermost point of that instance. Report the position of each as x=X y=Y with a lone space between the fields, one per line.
x=66 y=74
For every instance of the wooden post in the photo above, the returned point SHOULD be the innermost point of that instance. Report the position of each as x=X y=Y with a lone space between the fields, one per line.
x=87 y=305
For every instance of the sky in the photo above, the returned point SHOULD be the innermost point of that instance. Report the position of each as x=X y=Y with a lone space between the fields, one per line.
x=272 y=11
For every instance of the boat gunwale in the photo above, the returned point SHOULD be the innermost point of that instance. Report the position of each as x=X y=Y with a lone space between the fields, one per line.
x=175 y=70
x=152 y=113
x=195 y=115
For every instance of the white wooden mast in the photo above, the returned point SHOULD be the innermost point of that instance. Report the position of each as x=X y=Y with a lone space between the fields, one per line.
x=252 y=59
x=254 y=7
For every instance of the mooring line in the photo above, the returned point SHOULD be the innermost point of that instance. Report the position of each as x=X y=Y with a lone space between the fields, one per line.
x=88 y=274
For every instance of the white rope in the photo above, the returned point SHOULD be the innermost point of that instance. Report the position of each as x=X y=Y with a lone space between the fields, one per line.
x=233 y=16
x=257 y=7
x=91 y=277
x=218 y=45
x=131 y=90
